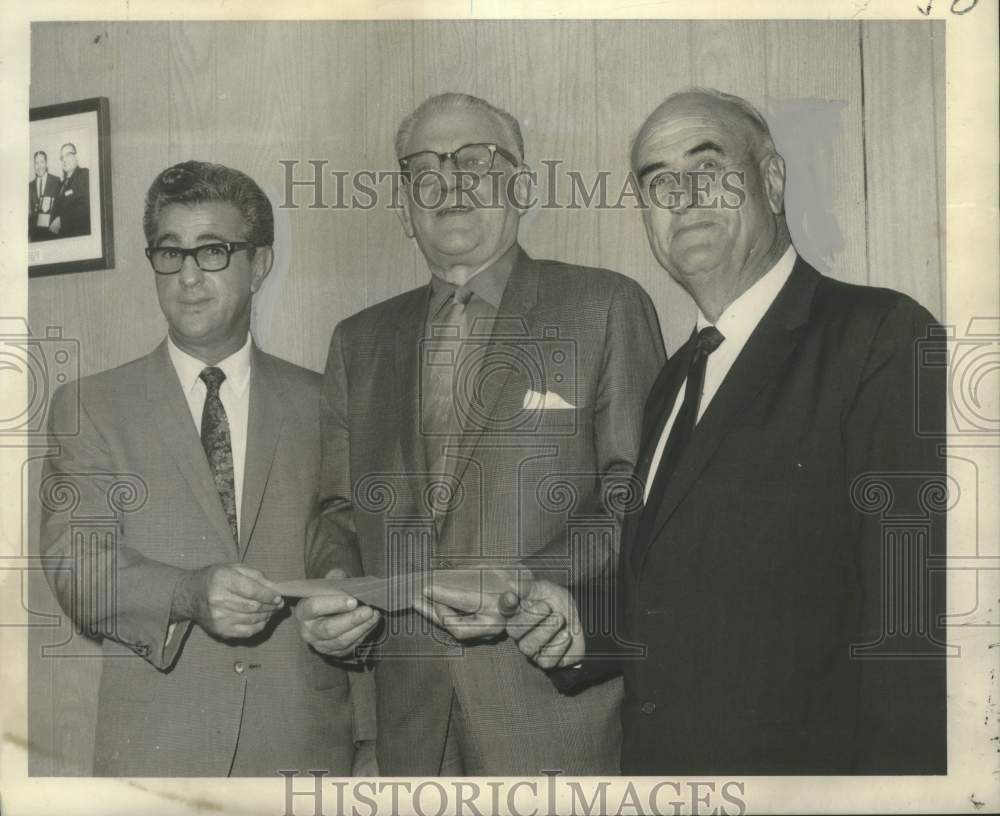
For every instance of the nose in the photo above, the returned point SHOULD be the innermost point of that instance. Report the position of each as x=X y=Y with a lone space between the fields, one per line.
x=190 y=274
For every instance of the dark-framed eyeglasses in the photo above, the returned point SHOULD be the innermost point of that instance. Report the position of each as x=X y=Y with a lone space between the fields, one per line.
x=476 y=158
x=168 y=260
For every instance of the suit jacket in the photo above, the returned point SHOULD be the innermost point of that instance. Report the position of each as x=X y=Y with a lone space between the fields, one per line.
x=527 y=485
x=194 y=705
x=72 y=204
x=772 y=643
x=51 y=189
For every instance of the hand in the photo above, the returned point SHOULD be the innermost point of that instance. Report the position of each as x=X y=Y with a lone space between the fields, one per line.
x=227 y=600
x=468 y=603
x=547 y=628
x=335 y=624
x=55 y=225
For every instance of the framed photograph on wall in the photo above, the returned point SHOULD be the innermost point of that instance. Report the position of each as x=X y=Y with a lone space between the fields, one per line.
x=69 y=188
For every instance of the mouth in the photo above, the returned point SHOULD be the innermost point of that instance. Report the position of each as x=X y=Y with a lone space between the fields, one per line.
x=454 y=210
x=193 y=304
x=693 y=227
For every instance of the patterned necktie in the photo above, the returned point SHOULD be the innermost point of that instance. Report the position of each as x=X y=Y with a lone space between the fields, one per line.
x=439 y=419
x=218 y=447
x=707 y=341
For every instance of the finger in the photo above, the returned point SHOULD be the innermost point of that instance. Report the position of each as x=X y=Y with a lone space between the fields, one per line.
x=258 y=576
x=469 y=627
x=248 y=587
x=247 y=618
x=509 y=604
x=424 y=607
x=235 y=603
x=530 y=616
x=323 y=605
x=463 y=600
x=553 y=652
x=533 y=642
x=347 y=640
x=335 y=626
x=240 y=631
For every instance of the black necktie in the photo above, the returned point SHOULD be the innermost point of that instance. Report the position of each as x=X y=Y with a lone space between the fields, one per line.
x=218 y=447
x=707 y=341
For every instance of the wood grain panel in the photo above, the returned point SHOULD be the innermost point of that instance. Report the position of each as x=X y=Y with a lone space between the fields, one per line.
x=391 y=260
x=813 y=108
x=729 y=55
x=110 y=313
x=328 y=245
x=248 y=94
x=558 y=119
x=629 y=90
x=445 y=58
x=903 y=228
x=192 y=75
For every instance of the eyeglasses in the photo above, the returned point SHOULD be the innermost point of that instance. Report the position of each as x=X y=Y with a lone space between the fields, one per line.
x=208 y=257
x=471 y=158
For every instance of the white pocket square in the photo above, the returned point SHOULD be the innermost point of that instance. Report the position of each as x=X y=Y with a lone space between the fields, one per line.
x=533 y=401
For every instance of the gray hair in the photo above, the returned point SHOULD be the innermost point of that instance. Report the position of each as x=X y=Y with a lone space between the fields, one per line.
x=197 y=182
x=763 y=144
x=452 y=101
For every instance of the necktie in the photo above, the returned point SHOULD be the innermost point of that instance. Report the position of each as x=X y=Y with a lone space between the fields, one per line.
x=707 y=341
x=439 y=418
x=218 y=447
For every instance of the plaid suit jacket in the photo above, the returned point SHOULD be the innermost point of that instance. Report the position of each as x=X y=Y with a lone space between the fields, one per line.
x=525 y=484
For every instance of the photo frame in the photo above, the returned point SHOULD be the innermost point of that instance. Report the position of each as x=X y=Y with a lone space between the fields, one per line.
x=70 y=223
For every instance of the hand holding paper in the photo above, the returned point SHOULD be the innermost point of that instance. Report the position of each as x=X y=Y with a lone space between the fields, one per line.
x=334 y=623
x=471 y=604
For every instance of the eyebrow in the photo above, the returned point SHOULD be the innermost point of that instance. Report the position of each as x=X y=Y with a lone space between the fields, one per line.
x=205 y=236
x=649 y=168
x=704 y=147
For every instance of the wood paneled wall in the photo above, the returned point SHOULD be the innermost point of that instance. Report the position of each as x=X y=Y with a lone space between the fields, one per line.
x=856 y=108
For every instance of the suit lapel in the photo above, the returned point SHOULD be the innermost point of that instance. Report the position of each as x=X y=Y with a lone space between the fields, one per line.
x=264 y=427
x=513 y=326
x=758 y=364
x=180 y=438
x=408 y=347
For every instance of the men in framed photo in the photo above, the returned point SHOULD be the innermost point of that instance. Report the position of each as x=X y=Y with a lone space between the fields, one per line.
x=42 y=192
x=71 y=211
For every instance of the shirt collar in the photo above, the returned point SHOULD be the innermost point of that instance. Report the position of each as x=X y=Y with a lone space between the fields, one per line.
x=741 y=316
x=488 y=285
x=236 y=367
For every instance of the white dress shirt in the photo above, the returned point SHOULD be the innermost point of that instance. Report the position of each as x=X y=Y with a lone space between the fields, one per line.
x=736 y=324
x=234 y=393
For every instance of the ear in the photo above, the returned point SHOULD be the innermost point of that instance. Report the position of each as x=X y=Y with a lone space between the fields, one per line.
x=263 y=260
x=403 y=212
x=524 y=184
x=773 y=175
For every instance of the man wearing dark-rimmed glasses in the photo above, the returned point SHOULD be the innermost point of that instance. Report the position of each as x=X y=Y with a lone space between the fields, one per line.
x=467 y=401
x=204 y=673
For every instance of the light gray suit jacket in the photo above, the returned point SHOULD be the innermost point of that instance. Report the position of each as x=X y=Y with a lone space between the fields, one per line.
x=527 y=485
x=194 y=705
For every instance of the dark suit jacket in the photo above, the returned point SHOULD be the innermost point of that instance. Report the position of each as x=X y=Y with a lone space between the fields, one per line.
x=526 y=482
x=196 y=705
x=788 y=511
x=72 y=204
x=51 y=189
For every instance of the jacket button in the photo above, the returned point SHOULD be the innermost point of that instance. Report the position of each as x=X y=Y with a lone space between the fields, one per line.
x=648 y=707
x=239 y=667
